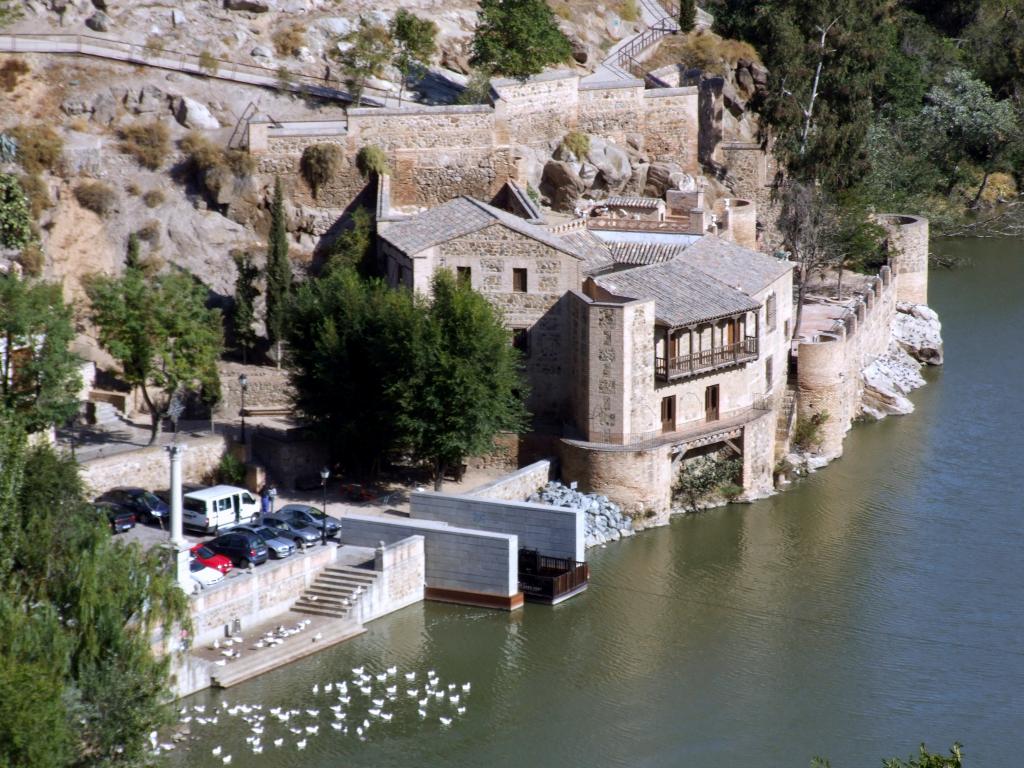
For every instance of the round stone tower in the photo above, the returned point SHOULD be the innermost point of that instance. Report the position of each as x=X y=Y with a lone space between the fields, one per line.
x=908 y=254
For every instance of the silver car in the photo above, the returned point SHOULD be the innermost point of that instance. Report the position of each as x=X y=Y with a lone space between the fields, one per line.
x=277 y=546
x=303 y=535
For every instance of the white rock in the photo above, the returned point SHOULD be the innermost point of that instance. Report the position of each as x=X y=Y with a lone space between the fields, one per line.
x=191 y=114
x=335 y=25
x=261 y=52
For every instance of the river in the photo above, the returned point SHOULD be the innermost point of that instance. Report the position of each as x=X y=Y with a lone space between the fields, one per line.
x=876 y=605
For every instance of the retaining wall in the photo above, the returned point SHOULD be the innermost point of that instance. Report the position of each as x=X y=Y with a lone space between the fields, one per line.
x=463 y=565
x=517 y=485
x=554 y=531
x=400 y=581
x=150 y=467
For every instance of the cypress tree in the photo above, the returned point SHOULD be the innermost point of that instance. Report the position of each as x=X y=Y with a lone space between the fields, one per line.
x=244 y=314
x=687 y=15
x=279 y=273
x=131 y=259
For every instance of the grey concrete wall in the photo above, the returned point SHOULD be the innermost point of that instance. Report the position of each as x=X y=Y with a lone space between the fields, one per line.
x=554 y=531
x=457 y=559
x=517 y=485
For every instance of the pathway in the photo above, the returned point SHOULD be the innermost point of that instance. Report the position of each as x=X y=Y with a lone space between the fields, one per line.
x=659 y=23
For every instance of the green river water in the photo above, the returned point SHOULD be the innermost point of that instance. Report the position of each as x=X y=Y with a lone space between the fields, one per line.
x=876 y=605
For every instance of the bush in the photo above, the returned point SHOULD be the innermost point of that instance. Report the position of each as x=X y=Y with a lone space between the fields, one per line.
x=578 y=143
x=148 y=143
x=290 y=40
x=32 y=259
x=230 y=470
x=153 y=198
x=208 y=62
x=37 y=193
x=807 y=432
x=371 y=159
x=320 y=162
x=39 y=147
x=150 y=232
x=96 y=196
x=239 y=162
x=11 y=72
x=704 y=477
x=704 y=50
x=205 y=155
x=628 y=11
x=15 y=219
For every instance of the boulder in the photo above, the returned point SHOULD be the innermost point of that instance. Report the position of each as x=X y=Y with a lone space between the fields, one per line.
x=191 y=114
x=918 y=331
x=660 y=178
x=580 y=50
x=335 y=25
x=253 y=6
x=75 y=106
x=98 y=22
x=562 y=185
x=148 y=100
x=455 y=61
x=745 y=82
x=888 y=380
x=104 y=108
x=612 y=163
x=177 y=18
x=100 y=4
x=261 y=52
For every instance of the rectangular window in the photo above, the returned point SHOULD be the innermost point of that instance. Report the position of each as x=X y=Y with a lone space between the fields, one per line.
x=519 y=280
x=770 y=312
x=521 y=340
x=768 y=373
x=785 y=329
x=464 y=274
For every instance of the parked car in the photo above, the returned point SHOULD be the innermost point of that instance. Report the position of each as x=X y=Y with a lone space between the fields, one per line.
x=302 y=535
x=120 y=518
x=211 y=559
x=278 y=545
x=204 y=576
x=303 y=514
x=241 y=547
x=146 y=505
x=221 y=506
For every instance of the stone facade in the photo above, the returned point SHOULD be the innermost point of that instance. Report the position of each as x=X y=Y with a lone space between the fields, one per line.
x=516 y=485
x=267 y=387
x=908 y=252
x=149 y=467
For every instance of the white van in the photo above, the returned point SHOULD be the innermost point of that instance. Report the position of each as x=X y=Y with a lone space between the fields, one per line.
x=221 y=506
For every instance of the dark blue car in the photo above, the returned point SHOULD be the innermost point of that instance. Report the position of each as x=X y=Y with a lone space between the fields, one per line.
x=147 y=506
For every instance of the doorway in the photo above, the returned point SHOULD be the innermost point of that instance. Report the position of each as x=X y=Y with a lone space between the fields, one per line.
x=711 y=403
x=668 y=414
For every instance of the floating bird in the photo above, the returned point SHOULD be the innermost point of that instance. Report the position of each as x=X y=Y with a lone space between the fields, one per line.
x=296 y=731
x=216 y=751
x=358 y=671
x=344 y=699
x=382 y=677
x=466 y=687
x=453 y=699
x=186 y=720
x=328 y=687
x=431 y=673
x=392 y=671
x=374 y=712
x=410 y=676
x=313 y=729
x=423 y=702
x=278 y=742
x=316 y=689
x=339 y=715
x=226 y=759
x=166 y=747
x=257 y=749
x=461 y=710
x=336 y=726
x=422 y=712
x=318 y=636
x=412 y=693
x=385 y=716
x=300 y=744
x=313 y=712
x=439 y=695
x=391 y=689
x=366 y=689
x=359 y=730
x=445 y=720
x=378 y=702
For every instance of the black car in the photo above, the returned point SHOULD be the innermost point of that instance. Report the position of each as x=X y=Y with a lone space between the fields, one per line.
x=303 y=514
x=302 y=535
x=241 y=547
x=121 y=519
x=147 y=506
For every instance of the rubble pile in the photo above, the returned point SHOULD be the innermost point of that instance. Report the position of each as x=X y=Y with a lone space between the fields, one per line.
x=604 y=519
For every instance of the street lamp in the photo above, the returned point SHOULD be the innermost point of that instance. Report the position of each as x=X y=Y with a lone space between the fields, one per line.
x=324 y=474
x=243 y=382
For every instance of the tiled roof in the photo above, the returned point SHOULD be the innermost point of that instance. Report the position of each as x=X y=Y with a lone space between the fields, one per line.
x=462 y=216
x=683 y=294
x=644 y=253
x=633 y=202
x=595 y=252
x=739 y=267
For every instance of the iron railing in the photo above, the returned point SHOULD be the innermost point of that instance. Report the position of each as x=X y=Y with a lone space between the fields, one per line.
x=548 y=578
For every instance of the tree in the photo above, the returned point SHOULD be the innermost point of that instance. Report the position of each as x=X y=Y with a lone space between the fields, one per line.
x=133 y=259
x=517 y=38
x=354 y=246
x=466 y=383
x=161 y=333
x=320 y=163
x=687 y=15
x=279 y=274
x=415 y=42
x=369 y=48
x=10 y=12
x=244 y=314
x=15 y=219
x=39 y=376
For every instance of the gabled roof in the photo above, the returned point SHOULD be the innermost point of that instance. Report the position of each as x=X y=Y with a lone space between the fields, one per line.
x=644 y=252
x=736 y=266
x=683 y=294
x=462 y=216
x=596 y=253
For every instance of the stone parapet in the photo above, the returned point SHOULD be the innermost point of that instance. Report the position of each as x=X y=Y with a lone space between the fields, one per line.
x=148 y=467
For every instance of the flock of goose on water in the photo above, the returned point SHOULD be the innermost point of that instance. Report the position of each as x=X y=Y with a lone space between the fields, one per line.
x=348 y=707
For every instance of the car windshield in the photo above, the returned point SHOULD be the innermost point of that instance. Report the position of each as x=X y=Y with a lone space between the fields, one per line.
x=195 y=566
x=204 y=552
x=315 y=513
x=150 y=499
x=264 y=532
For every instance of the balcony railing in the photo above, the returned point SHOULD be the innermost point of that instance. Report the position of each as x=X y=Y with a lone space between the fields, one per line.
x=706 y=359
x=550 y=580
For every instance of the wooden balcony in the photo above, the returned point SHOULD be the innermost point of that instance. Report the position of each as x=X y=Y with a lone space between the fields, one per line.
x=550 y=580
x=681 y=366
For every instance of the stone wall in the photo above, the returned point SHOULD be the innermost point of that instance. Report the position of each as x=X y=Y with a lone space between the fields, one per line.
x=759 y=456
x=554 y=531
x=637 y=480
x=400 y=582
x=267 y=387
x=288 y=454
x=537 y=111
x=908 y=252
x=457 y=559
x=150 y=468
x=516 y=485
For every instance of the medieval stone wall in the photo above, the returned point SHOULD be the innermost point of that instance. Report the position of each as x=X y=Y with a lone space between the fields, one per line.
x=639 y=481
x=670 y=126
x=908 y=250
x=612 y=112
x=537 y=111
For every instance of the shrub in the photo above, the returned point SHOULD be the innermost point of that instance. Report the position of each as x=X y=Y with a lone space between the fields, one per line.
x=704 y=50
x=578 y=143
x=371 y=159
x=32 y=259
x=628 y=11
x=230 y=470
x=150 y=232
x=154 y=45
x=239 y=162
x=153 y=198
x=290 y=40
x=11 y=72
x=208 y=62
x=15 y=220
x=320 y=162
x=39 y=147
x=148 y=143
x=285 y=78
x=807 y=432
x=132 y=188
x=37 y=193
x=202 y=153
x=96 y=196
x=704 y=477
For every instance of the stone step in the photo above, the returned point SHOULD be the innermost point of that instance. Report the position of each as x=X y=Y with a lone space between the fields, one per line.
x=344 y=583
x=329 y=594
x=318 y=610
x=348 y=570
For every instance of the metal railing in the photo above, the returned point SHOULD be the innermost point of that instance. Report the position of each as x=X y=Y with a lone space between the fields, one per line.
x=706 y=359
x=548 y=578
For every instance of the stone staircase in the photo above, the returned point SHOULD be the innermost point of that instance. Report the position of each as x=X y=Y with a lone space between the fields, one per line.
x=106 y=415
x=336 y=591
x=784 y=425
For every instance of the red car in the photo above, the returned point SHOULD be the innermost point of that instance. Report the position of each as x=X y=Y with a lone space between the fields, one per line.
x=211 y=559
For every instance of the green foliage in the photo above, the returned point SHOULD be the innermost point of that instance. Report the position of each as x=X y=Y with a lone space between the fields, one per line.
x=926 y=759
x=517 y=38
x=994 y=43
x=148 y=143
x=230 y=470
x=40 y=381
x=10 y=12
x=96 y=196
x=279 y=272
x=478 y=89
x=372 y=159
x=369 y=49
x=213 y=166
x=415 y=41
x=39 y=147
x=208 y=62
x=807 y=431
x=354 y=247
x=243 y=314
x=687 y=15
x=578 y=143
x=32 y=259
x=160 y=332
x=704 y=477
x=285 y=78
x=79 y=684
x=319 y=163
x=133 y=259
x=15 y=220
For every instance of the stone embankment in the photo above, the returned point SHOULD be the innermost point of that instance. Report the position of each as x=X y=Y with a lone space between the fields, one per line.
x=605 y=520
x=916 y=341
